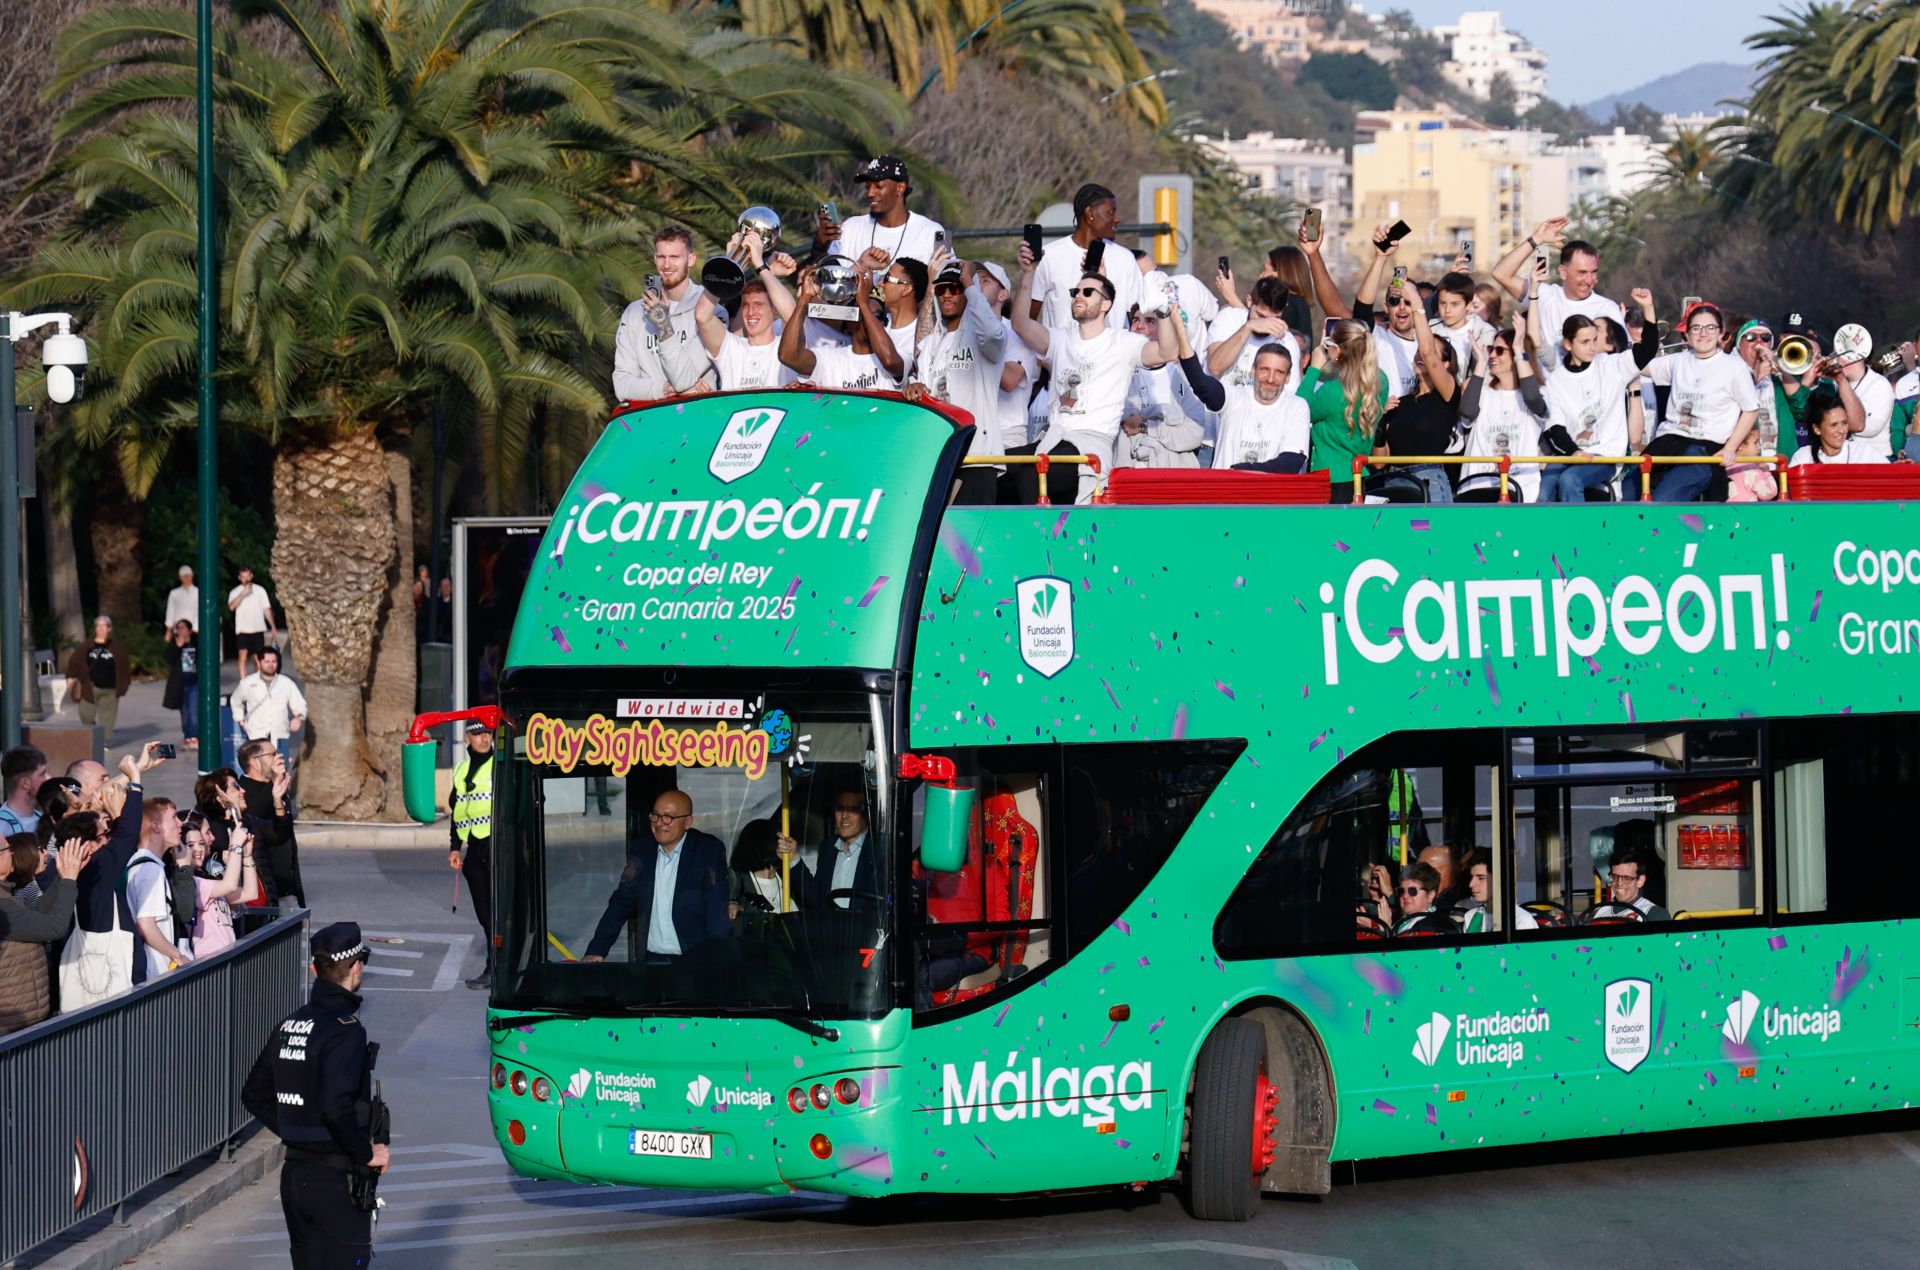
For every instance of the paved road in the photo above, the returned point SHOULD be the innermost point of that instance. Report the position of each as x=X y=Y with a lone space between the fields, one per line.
x=1836 y=1194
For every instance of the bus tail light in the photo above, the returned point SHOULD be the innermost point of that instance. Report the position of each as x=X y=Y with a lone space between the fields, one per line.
x=542 y=1089
x=499 y=1075
x=819 y=1097
x=797 y=1099
x=847 y=1090
x=820 y=1147
x=518 y=1083
x=516 y=1133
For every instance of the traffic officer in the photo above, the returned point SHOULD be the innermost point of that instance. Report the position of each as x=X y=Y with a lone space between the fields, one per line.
x=312 y=1085
x=472 y=828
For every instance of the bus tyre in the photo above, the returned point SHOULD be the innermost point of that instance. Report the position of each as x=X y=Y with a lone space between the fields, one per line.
x=1231 y=1131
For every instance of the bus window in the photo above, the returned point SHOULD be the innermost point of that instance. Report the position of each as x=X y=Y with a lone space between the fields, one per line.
x=1125 y=808
x=1413 y=812
x=971 y=941
x=1842 y=792
x=1623 y=828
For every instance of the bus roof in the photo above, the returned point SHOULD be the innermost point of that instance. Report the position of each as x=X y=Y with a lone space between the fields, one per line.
x=740 y=529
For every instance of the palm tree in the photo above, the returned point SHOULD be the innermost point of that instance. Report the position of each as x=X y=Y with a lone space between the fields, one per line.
x=435 y=203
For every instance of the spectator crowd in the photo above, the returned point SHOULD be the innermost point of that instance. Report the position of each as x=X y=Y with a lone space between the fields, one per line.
x=106 y=888
x=1091 y=350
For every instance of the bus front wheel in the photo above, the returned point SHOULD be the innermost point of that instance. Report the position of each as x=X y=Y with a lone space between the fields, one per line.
x=1231 y=1134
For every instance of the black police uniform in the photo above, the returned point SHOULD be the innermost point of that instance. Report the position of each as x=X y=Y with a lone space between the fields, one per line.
x=312 y=1086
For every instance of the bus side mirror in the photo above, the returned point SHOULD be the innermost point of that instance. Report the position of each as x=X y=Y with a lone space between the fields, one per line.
x=945 y=828
x=419 y=760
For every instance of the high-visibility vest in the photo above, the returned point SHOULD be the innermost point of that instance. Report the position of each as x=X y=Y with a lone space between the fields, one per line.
x=472 y=808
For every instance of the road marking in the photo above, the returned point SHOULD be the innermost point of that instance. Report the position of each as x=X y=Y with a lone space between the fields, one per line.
x=1904 y=1147
x=454 y=956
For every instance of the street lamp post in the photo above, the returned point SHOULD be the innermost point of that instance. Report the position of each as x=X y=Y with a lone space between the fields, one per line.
x=209 y=452
x=65 y=356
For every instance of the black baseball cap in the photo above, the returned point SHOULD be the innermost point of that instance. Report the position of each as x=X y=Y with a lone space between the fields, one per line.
x=883 y=167
x=339 y=942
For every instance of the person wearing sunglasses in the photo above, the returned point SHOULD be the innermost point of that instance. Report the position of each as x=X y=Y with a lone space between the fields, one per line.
x=961 y=363
x=1396 y=346
x=1092 y=363
x=1415 y=897
x=679 y=889
x=1503 y=410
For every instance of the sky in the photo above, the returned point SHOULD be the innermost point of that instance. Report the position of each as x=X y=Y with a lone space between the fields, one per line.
x=1613 y=45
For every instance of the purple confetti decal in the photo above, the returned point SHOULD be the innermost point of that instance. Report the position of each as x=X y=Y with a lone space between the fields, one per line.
x=1180 y=721
x=1120 y=924
x=1558 y=567
x=1145 y=962
x=1303 y=692
x=1381 y=977
x=990 y=722
x=1433 y=1117
x=1156 y=1025
x=1220 y=965
x=1060 y=526
x=1418 y=526
x=560 y=638
x=1493 y=683
x=1111 y=1029
x=1479 y=554
x=1316 y=743
x=1223 y=690
x=1816 y=605
x=1592 y=665
x=1366 y=1024
x=1626 y=703
x=1776 y=942
x=1110 y=694
x=1384 y=1107
x=1693 y=522
x=1001 y=1017
x=873 y=591
x=962 y=554
x=1340 y=546
x=1104 y=969
x=1122 y=1143
x=804 y=438
x=984 y=1147
x=1711 y=1080
x=1847 y=974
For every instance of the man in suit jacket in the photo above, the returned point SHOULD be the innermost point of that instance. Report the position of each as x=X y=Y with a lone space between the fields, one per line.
x=680 y=893
x=845 y=864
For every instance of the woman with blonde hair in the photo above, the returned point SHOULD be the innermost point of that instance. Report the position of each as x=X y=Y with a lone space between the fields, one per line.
x=1346 y=393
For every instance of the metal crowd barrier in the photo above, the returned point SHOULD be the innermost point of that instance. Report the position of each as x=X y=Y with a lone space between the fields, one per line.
x=1504 y=462
x=98 y=1104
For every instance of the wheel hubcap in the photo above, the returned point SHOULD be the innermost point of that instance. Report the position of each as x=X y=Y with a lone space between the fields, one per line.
x=1266 y=1100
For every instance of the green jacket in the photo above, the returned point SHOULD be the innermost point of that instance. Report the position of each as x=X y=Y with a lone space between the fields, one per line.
x=1334 y=442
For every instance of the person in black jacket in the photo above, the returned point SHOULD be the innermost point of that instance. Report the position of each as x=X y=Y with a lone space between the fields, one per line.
x=265 y=781
x=312 y=1085
x=693 y=864
x=183 y=682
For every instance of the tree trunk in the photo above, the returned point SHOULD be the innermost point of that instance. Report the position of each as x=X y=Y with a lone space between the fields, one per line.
x=118 y=524
x=63 y=573
x=393 y=690
x=333 y=558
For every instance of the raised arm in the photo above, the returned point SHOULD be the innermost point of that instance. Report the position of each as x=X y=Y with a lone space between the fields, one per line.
x=1383 y=252
x=1325 y=293
x=713 y=332
x=1507 y=273
x=794 y=353
x=1164 y=347
x=1026 y=313
x=1444 y=381
x=878 y=337
x=1227 y=352
x=1648 y=346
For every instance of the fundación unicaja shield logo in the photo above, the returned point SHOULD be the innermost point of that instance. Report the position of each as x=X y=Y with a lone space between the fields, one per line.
x=1431 y=1039
x=1043 y=614
x=744 y=443
x=697 y=1090
x=1627 y=1023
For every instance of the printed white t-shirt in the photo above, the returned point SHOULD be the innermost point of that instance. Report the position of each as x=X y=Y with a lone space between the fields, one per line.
x=1060 y=270
x=1089 y=389
x=1240 y=374
x=1252 y=432
x=912 y=240
x=1591 y=404
x=1014 y=401
x=1709 y=394
x=838 y=366
x=1395 y=354
x=744 y=364
x=1556 y=306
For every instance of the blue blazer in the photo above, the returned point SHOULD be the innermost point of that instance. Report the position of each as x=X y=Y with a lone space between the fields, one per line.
x=816 y=891
x=699 y=897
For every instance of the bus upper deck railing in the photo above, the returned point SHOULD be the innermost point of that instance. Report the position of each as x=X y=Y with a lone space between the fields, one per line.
x=101 y=1102
x=1504 y=463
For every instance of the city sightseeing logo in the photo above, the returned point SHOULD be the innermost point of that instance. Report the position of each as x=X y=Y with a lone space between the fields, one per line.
x=744 y=443
x=1775 y=1022
x=1043 y=611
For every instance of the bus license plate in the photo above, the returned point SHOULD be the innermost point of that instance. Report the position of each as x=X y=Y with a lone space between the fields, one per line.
x=679 y=1146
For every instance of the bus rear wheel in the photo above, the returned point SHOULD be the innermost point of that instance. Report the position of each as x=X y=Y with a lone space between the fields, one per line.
x=1231 y=1133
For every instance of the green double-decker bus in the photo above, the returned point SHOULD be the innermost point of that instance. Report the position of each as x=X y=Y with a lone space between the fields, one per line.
x=1095 y=820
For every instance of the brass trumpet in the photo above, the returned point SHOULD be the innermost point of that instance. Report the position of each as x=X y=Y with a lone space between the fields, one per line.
x=1796 y=354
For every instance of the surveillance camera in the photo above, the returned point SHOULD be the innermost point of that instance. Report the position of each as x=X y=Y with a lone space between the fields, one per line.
x=65 y=357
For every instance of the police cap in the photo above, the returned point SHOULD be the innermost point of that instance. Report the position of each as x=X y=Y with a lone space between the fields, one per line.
x=339 y=942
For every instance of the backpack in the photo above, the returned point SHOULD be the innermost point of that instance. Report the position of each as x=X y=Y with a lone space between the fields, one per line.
x=182 y=897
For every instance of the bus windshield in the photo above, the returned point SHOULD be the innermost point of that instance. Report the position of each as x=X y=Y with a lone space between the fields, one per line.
x=650 y=874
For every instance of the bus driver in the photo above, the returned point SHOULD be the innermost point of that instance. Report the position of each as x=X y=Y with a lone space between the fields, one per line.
x=682 y=898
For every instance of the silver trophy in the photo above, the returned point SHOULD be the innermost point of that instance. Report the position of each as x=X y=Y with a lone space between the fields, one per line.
x=725 y=276
x=839 y=291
